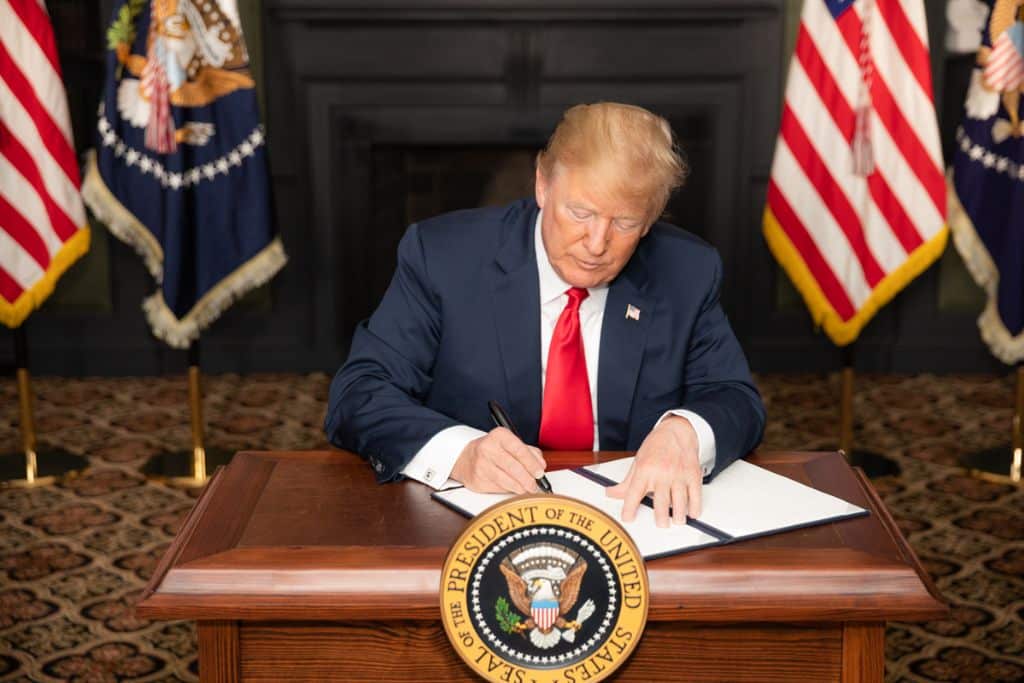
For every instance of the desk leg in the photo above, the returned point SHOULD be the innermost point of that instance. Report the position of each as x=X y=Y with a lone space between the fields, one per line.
x=864 y=653
x=218 y=652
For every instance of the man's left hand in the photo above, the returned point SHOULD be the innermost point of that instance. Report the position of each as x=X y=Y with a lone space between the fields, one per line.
x=668 y=467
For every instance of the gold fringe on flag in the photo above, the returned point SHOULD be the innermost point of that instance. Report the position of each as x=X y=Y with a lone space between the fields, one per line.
x=178 y=333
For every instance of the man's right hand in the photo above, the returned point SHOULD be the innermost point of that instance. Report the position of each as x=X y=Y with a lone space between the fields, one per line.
x=499 y=462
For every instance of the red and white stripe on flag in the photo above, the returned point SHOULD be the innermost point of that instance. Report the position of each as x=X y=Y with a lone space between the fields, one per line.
x=850 y=242
x=545 y=617
x=42 y=220
x=1005 y=67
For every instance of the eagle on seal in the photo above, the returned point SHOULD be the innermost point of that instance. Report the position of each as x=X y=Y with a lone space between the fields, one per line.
x=544 y=582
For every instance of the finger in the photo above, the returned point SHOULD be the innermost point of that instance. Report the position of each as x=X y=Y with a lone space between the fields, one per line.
x=484 y=485
x=479 y=481
x=533 y=465
x=511 y=465
x=503 y=481
x=619 y=490
x=494 y=467
x=679 y=497
x=531 y=462
x=661 y=500
x=693 y=488
x=539 y=457
x=631 y=501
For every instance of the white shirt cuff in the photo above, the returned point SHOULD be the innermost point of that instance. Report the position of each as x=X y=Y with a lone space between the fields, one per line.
x=705 y=438
x=435 y=460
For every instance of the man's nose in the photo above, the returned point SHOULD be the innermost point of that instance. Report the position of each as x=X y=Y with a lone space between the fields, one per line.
x=599 y=231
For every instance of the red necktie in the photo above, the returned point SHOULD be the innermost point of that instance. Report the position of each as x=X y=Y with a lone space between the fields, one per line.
x=567 y=419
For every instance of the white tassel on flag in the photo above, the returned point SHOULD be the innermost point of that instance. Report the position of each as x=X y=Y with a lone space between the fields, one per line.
x=863 y=158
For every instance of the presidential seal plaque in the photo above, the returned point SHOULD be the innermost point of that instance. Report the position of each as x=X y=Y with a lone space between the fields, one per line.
x=544 y=589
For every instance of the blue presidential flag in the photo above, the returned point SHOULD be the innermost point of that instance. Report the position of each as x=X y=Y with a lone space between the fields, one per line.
x=180 y=167
x=986 y=206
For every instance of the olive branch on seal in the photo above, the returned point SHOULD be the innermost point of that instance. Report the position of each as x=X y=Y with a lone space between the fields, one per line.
x=506 y=618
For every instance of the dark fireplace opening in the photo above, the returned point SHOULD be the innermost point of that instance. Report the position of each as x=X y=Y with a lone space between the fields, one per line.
x=414 y=182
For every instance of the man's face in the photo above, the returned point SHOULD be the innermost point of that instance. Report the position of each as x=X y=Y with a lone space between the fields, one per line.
x=588 y=237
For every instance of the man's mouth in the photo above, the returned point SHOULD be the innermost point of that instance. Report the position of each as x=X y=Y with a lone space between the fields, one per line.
x=587 y=265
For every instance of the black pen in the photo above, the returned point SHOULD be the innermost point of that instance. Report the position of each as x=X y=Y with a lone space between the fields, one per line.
x=501 y=419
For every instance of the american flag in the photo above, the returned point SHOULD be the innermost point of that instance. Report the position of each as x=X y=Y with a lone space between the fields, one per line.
x=42 y=220
x=857 y=199
x=1005 y=67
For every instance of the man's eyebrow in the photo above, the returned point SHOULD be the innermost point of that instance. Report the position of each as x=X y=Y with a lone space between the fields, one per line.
x=577 y=204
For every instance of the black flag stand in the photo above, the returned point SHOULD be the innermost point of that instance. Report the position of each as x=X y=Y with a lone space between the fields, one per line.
x=874 y=464
x=189 y=467
x=29 y=467
x=1003 y=463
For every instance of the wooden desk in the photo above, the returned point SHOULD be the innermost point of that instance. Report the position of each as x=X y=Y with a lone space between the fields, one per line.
x=297 y=566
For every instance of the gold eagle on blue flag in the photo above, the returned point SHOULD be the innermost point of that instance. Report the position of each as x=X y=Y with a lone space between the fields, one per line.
x=986 y=208
x=180 y=169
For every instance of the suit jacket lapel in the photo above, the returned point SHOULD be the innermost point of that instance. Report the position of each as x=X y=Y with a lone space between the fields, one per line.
x=622 y=350
x=516 y=294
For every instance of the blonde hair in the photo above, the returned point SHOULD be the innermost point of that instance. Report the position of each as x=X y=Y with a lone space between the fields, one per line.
x=627 y=151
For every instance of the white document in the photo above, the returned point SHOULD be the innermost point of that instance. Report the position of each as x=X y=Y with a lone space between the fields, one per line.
x=746 y=500
x=650 y=540
x=743 y=501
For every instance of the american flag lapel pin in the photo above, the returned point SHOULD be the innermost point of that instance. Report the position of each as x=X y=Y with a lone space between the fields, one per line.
x=632 y=312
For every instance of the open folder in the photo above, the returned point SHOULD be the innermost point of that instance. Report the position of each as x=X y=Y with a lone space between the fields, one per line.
x=743 y=501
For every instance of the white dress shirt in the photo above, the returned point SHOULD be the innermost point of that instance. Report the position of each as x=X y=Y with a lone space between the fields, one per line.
x=435 y=460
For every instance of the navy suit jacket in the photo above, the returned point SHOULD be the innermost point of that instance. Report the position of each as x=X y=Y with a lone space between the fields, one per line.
x=460 y=324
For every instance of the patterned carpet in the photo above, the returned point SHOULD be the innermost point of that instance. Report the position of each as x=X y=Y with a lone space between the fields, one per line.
x=74 y=557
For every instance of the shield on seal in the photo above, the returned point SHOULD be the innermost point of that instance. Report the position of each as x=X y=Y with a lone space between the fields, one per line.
x=545 y=613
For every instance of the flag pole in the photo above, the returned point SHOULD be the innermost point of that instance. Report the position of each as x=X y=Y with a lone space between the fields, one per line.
x=22 y=468
x=190 y=467
x=1018 y=427
x=195 y=403
x=846 y=408
x=873 y=464
x=1002 y=464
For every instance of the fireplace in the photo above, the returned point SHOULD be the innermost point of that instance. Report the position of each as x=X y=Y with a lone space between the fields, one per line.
x=410 y=109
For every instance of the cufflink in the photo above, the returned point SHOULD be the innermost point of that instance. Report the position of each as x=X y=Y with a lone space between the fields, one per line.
x=429 y=475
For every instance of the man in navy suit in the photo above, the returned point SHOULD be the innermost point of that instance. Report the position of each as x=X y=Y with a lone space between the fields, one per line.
x=593 y=325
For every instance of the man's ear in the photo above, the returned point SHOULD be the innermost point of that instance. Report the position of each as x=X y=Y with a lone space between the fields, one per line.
x=540 y=187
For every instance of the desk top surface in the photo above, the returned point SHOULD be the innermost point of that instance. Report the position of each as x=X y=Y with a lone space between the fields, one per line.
x=310 y=535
